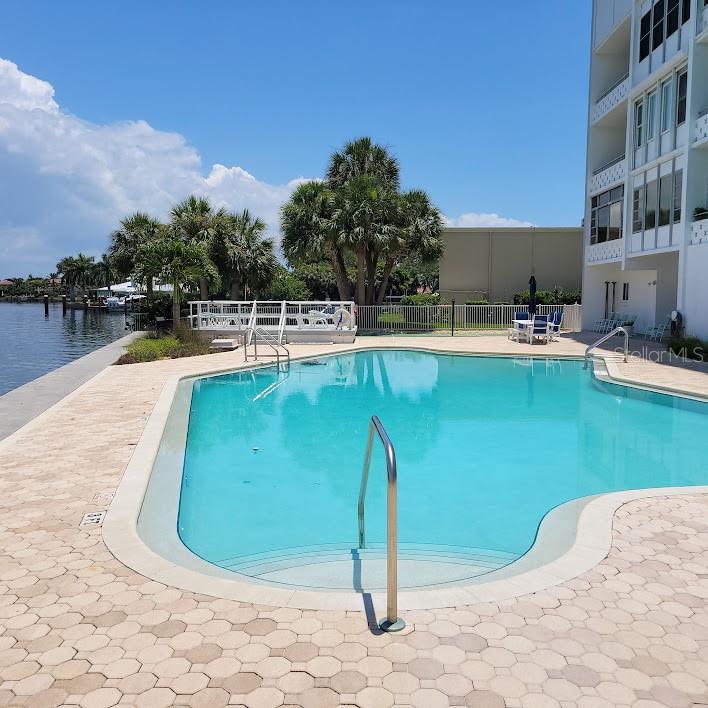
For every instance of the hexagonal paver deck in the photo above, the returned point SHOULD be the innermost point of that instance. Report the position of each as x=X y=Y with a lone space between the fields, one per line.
x=78 y=628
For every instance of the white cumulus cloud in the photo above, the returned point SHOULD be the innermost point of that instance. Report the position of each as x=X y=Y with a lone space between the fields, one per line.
x=65 y=182
x=475 y=219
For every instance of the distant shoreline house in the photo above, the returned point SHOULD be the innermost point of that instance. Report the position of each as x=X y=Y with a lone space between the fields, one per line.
x=494 y=263
x=646 y=201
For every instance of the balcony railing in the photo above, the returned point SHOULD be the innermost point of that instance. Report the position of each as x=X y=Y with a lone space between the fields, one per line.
x=608 y=174
x=608 y=164
x=622 y=79
x=612 y=97
x=702 y=128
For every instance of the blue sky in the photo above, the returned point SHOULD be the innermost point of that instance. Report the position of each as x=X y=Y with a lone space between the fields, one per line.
x=483 y=103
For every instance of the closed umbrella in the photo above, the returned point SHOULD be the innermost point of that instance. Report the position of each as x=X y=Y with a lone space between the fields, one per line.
x=532 y=296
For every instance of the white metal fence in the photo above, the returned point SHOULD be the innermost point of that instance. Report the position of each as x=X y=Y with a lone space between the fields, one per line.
x=440 y=318
x=280 y=315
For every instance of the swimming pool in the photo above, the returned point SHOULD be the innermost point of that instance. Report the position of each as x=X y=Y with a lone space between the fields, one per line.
x=486 y=447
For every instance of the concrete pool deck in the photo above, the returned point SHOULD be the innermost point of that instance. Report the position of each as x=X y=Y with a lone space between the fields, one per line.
x=77 y=627
x=26 y=402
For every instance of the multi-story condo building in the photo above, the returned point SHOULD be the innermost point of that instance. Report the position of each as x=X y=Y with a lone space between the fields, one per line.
x=646 y=243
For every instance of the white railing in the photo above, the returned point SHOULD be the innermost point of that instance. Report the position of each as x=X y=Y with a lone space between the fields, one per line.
x=702 y=127
x=428 y=318
x=611 y=98
x=272 y=315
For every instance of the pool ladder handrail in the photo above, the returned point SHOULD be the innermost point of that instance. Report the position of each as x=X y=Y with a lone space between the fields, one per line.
x=604 y=338
x=392 y=622
x=252 y=335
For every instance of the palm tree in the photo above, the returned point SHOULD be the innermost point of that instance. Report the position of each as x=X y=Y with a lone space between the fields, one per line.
x=199 y=223
x=84 y=270
x=419 y=231
x=244 y=257
x=177 y=262
x=66 y=266
x=103 y=272
x=367 y=219
x=134 y=231
x=309 y=231
x=366 y=176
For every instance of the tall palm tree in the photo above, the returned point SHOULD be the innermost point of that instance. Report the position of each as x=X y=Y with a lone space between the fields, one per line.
x=134 y=231
x=365 y=175
x=177 y=262
x=200 y=223
x=367 y=219
x=246 y=259
x=67 y=267
x=309 y=231
x=84 y=268
x=103 y=272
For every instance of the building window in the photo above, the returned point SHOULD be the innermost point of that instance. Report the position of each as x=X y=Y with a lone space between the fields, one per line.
x=666 y=101
x=686 y=10
x=639 y=123
x=663 y=16
x=657 y=34
x=606 y=215
x=678 y=187
x=651 y=116
x=638 y=210
x=645 y=36
x=650 y=205
x=672 y=16
x=665 y=199
x=681 y=97
x=625 y=292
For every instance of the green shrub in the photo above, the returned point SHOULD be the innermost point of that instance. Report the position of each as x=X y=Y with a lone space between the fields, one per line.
x=690 y=347
x=476 y=302
x=155 y=346
x=549 y=297
x=421 y=299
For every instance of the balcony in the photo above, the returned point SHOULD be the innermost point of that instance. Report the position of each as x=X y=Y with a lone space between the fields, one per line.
x=605 y=251
x=609 y=100
x=699 y=232
x=702 y=129
x=704 y=32
x=610 y=173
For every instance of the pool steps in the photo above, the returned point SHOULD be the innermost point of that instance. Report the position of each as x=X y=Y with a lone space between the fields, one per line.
x=334 y=565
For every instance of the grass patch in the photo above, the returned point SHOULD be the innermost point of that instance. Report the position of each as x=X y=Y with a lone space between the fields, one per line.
x=168 y=345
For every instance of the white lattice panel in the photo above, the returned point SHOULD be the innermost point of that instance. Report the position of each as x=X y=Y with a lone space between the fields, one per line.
x=608 y=177
x=610 y=100
x=605 y=251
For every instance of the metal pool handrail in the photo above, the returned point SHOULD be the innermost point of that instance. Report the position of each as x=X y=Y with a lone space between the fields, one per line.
x=392 y=622
x=616 y=330
x=253 y=334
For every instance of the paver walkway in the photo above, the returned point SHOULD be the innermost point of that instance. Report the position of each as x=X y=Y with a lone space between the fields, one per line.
x=79 y=628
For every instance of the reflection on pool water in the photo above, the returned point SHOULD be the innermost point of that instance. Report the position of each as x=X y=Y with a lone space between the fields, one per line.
x=485 y=447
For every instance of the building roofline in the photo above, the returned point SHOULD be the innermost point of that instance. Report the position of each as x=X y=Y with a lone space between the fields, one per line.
x=513 y=229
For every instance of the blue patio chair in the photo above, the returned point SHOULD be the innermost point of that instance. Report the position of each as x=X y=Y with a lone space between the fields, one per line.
x=539 y=329
x=518 y=330
x=554 y=324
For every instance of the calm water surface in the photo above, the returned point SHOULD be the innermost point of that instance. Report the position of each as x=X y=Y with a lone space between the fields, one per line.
x=33 y=345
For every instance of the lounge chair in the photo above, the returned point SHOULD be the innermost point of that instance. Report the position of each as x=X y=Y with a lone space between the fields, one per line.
x=538 y=329
x=517 y=330
x=657 y=333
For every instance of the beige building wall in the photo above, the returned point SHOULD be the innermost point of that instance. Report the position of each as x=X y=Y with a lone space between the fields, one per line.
x=495 y=263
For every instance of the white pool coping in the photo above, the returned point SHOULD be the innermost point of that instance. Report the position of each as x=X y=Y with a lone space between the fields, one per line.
x=572 y=538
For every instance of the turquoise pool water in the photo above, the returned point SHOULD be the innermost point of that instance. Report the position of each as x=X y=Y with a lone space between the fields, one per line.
x=485 y=446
